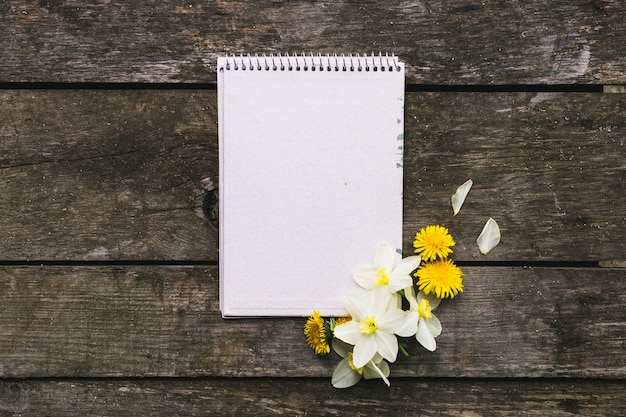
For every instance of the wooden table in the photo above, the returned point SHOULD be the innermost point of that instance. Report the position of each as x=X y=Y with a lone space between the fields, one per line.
x=109 y=173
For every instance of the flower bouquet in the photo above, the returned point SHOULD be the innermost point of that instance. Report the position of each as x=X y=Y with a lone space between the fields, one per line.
x=394 y=305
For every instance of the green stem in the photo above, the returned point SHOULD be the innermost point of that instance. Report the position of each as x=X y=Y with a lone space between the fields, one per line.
x=401 y=347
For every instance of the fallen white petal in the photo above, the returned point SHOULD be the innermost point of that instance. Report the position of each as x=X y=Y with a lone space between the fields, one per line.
x=489 y=237
x=459 y=196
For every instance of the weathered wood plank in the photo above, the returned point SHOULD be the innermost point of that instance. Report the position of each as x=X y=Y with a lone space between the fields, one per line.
x=299 y=397
x=99 y=174
x=549 y=167
x=453 y=42
x=146 y=321
x=96 y=174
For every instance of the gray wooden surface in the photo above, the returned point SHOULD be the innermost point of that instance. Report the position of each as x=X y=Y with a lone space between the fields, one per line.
x=164 y=321
x=455 y=42
x=109 y=173
x=301 y=397
x=132 y=175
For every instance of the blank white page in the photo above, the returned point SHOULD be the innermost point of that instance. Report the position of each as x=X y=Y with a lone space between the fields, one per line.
x=310 y=178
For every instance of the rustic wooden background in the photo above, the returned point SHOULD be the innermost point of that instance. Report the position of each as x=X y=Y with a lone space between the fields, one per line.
x=108 y=177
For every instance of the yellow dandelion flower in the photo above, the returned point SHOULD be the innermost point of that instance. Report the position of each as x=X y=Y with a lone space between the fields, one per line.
x=341 y=320
x=433 y=242
x=441 y=277
x=315 y=332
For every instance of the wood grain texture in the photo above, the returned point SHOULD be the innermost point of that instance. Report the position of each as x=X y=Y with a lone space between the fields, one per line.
x=111 y=185
x=100 y=175
x=548 y=167
x=151 y=321
x=453 y=42
x=300 y=397
x=132 y=175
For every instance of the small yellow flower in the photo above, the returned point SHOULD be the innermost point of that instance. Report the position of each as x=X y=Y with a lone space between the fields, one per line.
x=341 y=320
x=368 y=325
x=433 y=242
x=441 y=277
x=424 y=309
x=315 y=332
x=351 y=364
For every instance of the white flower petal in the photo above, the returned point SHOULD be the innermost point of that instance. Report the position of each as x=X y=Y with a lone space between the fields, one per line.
x=399 y=282
x=385 y=257
x=349 y=332
x=407 y=265
x=387 y=345
x=433 y=300
x=424 y=337
x=459 y=196
x=391 y=321
x=377 y=358
x=357 y=305
x=365 y=350
x=378 y=300
x=434 y=325
x=341 y=348
x=364 y=276
x=409 y=326
x=409 y=293
x=489 y=237
x=344 y=376
x=376 y=369
x=380 y=370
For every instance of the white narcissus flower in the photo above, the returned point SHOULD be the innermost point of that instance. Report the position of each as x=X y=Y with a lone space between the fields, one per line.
x=347 y=375
x=384 y=272
x=376 y=320
x=428 y=326
x=489 y=237
x=459 y=196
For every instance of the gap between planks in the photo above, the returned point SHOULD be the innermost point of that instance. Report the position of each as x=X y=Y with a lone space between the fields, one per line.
x=431 y=88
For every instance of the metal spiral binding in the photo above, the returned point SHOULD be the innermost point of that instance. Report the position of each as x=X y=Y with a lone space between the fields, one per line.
x=310 y=62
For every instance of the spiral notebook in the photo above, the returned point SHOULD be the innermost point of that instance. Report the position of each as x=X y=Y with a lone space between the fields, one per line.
x=311 y=154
